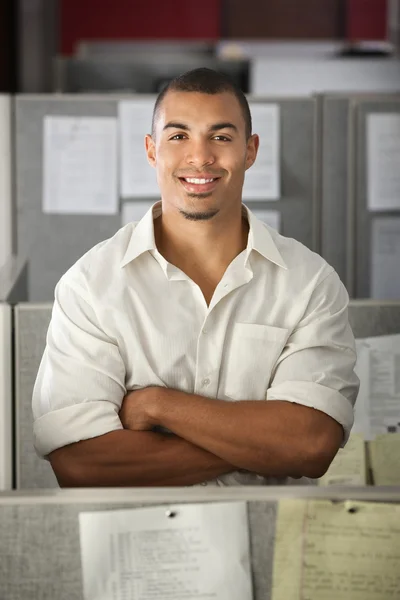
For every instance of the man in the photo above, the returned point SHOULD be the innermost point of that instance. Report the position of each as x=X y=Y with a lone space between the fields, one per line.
x=199 y=345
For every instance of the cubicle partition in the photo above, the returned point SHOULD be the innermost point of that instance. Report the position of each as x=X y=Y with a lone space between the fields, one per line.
x=367 y=318
x=13 y=288
x=55 y=241
x=14 y=277
x=6 y=167
x=333 y=174
x=31 y=322
x=40 y=549
x=280 y=74
x=370 y=318
x=6 y=429
x=374 y=257
x=346 y=222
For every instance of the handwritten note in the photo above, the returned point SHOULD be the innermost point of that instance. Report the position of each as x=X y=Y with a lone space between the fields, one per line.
x=385 y=459
x=349 y=465
x=336 y=551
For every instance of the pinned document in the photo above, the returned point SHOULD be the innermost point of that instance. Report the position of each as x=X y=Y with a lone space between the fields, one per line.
x=385 y=257
x=349 y=465
x=336 y=551
x=80 y=165
x=262 y=180
x=377 y=409
x=179 y=551
x=383 y=160
x=385 y=458
x=137 y=177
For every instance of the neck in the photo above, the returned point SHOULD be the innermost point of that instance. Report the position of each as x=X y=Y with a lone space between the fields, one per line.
x=202 y=247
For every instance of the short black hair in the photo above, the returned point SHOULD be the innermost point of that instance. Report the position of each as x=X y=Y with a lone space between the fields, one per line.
x=205 y=81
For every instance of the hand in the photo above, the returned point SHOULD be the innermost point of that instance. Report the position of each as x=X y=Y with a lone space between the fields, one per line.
x=137 y=409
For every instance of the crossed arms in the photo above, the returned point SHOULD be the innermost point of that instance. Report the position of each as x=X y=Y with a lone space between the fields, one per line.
x=209 y=438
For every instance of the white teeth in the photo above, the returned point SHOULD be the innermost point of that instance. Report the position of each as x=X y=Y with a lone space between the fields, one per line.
x=198 y=181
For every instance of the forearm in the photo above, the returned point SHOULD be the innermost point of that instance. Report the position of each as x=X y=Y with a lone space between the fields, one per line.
x=135 y=458
x=273 y=438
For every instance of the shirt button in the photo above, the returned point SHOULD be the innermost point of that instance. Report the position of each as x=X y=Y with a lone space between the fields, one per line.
x=204 y=331
x=206 y=381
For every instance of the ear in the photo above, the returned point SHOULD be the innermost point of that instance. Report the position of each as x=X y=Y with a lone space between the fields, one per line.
x=150 y=146
x=252 y=149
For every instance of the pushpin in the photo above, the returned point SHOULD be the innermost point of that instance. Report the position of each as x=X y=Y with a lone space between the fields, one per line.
x=352 y=509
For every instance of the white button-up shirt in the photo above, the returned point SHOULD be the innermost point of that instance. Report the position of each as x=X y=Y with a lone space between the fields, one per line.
x=124 y=319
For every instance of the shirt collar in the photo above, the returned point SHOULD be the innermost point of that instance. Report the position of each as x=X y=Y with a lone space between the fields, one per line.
x=260 y=238
x=142 y=238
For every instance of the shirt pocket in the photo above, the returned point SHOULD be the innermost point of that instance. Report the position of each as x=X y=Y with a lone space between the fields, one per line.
x=251 y=358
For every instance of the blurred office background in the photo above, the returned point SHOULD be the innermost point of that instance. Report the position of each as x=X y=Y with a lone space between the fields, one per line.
x=37 y=34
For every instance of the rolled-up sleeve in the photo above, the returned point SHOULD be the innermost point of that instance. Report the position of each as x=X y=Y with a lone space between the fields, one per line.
x=81 y=380
x=316 y=367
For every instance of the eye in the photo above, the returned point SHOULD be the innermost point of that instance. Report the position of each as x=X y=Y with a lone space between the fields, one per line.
x=178 y=136
x=222 y=138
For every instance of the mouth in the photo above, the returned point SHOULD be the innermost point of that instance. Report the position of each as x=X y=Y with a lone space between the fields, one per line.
x=199 y=185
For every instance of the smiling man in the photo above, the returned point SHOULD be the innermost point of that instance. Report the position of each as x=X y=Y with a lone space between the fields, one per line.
x=197 y=346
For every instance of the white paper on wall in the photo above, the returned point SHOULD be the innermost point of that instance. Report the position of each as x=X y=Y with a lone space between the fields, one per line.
x=385 y=258
x=383 y=161
x=137 y=177
x=181 y=551
x=262 y=180
x=80 y=165
x=377 y=409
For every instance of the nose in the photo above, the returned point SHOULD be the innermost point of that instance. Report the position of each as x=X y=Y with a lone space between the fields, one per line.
x=200 y=154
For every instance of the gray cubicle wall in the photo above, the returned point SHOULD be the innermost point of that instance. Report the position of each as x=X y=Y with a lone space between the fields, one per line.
x=55 y=242
x=14 y=277
x=40 y=548
x=337 y=171
x=6 y=441
x=334 y=111
x=367 y=318
x=370 y=318
x=361 y=221
x=30 y=326
x=13 y=288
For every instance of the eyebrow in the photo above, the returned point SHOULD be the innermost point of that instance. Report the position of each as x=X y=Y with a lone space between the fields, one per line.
x=215 y=127
x=223 y=125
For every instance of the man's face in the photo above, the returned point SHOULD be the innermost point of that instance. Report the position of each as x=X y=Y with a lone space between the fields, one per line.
x=200 y=153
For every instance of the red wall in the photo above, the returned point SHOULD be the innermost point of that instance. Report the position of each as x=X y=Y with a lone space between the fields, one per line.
x=366 y=20
x=127 y=19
